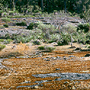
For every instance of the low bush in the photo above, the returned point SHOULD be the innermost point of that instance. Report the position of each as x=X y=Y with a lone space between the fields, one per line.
x=7 y=36
x=36 y=42
x=5 y=25
x=21 y=24
x=32 y=25
x=20 y=16
x=22 y=39
x=6 y=19
x=41 y=48
x=1 y=40
x=46 y=48
x=54 y=38
x=65 y=39
x=63 y=42
x=7 y=41
x=88 y=46
x=60 y=43
x=83 y=27
x=2 y=46
x=1 y=27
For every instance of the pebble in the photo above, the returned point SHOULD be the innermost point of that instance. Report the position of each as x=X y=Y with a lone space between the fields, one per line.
x=57 y=68
x=66 y=82
x=35 y=87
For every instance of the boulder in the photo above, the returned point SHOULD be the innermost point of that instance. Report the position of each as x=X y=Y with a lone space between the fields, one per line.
x=78 y=49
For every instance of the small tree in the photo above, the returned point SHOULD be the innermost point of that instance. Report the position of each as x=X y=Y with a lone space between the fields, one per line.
x=70 y=30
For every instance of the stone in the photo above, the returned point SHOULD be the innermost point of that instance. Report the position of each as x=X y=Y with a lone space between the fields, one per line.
x=57 y=68
x=66 y=82
x=63 y=86
x=73 y=88
x=35 y=87
x=47 y=60
x=78 y=49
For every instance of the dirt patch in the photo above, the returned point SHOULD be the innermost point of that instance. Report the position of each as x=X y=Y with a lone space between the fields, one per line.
x=20 y=70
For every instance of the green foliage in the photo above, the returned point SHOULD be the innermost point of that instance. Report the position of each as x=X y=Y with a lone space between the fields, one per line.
x=21 y=24
x=32 y=25
x=1 y=6
x=2 y=46
x=49 y=49
x=1 y=26
x=69 y=28
x=22 y=39
x=1 y=11
x=54 y=38
x=83 y=27
x=7 y=41
x=36 y=42
x=1 y=40
x=20 y=16
x=46 y=48
x=65 y=39
x=88 y=46
x=7 y=36
x=29 y=6
x=5 y=25
x=41 y=48
x=6 y=19
x=46 y=28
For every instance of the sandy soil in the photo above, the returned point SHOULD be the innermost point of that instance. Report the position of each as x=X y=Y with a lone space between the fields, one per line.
x=20 y=70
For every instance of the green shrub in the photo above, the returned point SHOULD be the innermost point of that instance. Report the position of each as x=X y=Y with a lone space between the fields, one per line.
x=41 y=48
x=22 y=39
x=7 y=41
x=45 y=27
x=88 y=46
x=32 y=25
x=1 y=40
x=49 y=48
x=5 y=25
x=63 y=42
x=21 y=16
x=1 y=27
x=46 y=48
x=36 y=11
x=83 y=27
x=1 y=11
x=65 y=39
x=82 y=15
x=54 y=38
x=36 y=42
x=6 y=19
x=2 y=46
x=82 y=38
x=60 y=43
x=21 y=24
x=7 y=36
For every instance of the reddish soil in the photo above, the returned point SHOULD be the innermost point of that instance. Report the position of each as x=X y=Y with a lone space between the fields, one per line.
x=21 y=69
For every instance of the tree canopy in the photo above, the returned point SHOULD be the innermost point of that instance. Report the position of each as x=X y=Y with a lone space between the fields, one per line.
x=77 y=6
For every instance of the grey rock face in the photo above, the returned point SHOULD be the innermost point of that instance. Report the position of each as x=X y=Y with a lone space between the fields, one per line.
x=64 y=76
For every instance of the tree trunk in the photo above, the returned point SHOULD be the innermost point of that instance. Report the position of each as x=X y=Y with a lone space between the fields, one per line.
x=71 y=40
x=65 y=5
x=42 y=5
x=13 y=3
